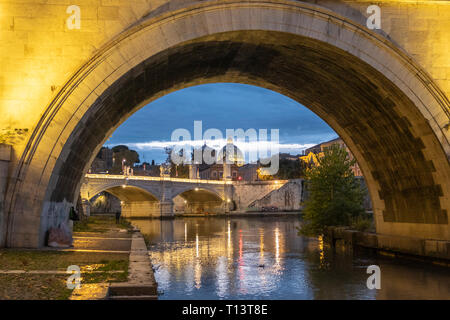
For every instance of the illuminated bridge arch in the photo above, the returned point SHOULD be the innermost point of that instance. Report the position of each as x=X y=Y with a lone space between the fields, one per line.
x=196 y=193
x=386 y=108
x=127 y=193
x=120 y=186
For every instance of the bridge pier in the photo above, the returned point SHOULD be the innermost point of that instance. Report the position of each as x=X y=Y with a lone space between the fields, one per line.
x=5 y=158
x=86 y=205
x=140 y=209
x=166 y=209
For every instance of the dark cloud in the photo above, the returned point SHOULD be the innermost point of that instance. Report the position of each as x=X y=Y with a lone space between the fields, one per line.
x=222 y=106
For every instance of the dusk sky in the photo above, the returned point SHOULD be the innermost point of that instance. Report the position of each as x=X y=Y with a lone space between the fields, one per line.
x=222 y=106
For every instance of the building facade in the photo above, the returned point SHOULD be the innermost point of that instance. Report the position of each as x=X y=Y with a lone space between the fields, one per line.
x=314 y=153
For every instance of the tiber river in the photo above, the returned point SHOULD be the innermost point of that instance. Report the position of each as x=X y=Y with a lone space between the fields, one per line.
x=264 y=258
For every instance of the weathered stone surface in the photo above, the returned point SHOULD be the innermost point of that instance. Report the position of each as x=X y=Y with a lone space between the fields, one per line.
x=5 y=158
x=396 y=244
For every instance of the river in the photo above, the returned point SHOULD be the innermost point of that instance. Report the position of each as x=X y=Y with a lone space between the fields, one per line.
x=264 y=258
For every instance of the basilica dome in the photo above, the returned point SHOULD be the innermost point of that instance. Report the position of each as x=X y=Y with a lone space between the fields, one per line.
x=231 y=154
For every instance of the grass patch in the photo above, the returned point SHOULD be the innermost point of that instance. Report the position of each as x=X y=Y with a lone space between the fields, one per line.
x=58 y=260
x=51 y=287
x=104 y=277
x=101 y=224
x=33 y=287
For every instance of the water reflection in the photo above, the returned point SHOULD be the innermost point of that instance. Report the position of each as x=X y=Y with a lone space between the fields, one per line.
x=264 y=258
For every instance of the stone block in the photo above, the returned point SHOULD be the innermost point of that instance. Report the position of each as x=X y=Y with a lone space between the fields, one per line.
x=437 y=249
x=5 y=152
x=400 y=244
x=365 y=239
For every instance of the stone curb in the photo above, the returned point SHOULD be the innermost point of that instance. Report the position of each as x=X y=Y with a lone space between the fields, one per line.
x=141 y=283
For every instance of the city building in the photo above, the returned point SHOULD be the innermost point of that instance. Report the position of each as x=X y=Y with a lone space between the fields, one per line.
x=248 y=172
x=311 y=155
x=232 y=159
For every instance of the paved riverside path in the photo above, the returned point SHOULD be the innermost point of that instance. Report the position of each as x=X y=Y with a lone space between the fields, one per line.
x=141 y=282
x=114 y=241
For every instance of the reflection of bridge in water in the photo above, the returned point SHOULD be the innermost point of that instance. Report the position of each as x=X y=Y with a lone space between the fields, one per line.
x=143 y=196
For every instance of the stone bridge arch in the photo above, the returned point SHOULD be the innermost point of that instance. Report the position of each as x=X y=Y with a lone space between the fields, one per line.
x=218 y=191
x=386 y=108
x=201 y=199
x=121 y=191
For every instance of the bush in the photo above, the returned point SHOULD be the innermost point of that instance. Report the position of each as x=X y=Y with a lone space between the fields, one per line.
x=362 y=224
x=335 y=196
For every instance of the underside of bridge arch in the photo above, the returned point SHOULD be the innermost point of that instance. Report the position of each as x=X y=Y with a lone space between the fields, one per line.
x=379 y=123
x=403 y=160
x=131 y=194
x=135 y=201
x=199 y=195
x=198 y=201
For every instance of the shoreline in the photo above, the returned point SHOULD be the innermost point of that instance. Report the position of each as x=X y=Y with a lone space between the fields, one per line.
x=431 y=251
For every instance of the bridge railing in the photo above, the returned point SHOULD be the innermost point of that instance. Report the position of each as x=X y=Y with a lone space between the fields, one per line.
x=147 y=178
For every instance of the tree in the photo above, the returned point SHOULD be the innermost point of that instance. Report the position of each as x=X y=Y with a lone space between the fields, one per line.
x=287 y=169
x=335 y=196
x=177 y=170
x=290 y=169
x=121 y=153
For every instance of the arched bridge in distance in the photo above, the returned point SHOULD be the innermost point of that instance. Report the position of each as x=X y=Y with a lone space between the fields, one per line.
x=145 y=197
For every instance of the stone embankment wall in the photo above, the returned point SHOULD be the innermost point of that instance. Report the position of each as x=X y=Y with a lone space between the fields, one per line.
x=244 y=193
x=438 y=251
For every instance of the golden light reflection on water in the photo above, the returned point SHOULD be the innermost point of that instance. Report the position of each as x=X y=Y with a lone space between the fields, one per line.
x=261 y=245
x=198 y=274
x=229 y=234
x=321 y=252
x=225 y=250
x=211 y=258
x=196 y=246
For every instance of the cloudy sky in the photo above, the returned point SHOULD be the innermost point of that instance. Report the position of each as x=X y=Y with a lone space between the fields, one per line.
x=221 y=106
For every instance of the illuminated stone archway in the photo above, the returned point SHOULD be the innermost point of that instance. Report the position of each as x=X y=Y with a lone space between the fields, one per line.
x=135 y=201
x=200 y=200
x=387 y=110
